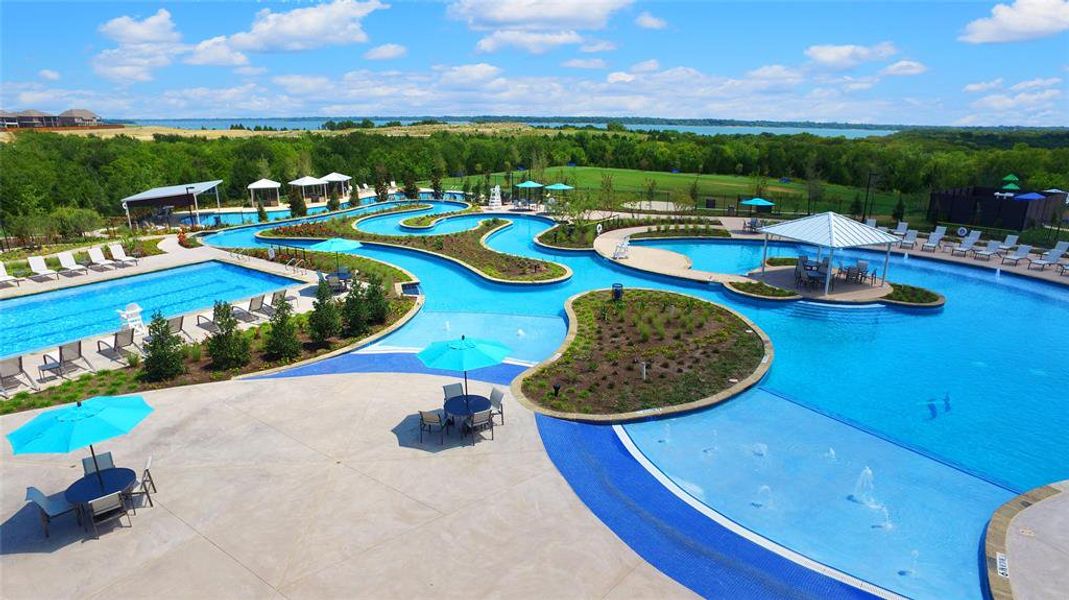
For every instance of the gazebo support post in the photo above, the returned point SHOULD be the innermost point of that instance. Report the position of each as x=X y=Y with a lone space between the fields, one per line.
x=216 y=190
x=129 y=223
x=886 y=263
x=827 y=272
x=764 y=256
x=196 y=210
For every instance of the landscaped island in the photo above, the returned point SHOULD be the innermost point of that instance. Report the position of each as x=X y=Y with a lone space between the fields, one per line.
x=464 y=246
x=647 y=350
x=424 y=221
x=581 y=235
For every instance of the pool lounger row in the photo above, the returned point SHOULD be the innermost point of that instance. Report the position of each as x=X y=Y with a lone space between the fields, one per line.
x=68 y=265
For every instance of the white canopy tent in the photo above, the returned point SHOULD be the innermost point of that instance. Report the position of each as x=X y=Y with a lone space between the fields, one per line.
x=308 y=181
x=341 y=180
x=184 y=194
x=832 y=231
x=264 y=184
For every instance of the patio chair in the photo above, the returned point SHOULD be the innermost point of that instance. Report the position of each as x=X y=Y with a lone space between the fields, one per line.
x=5 y=278
x=1051 y=257
x=1063 y=268
x=966 y=244
x=107 y=508
x=909 y=240
x=10 y=369
x=119 y=254
x=121 y=341
x=268 y=308
x=496 y=406
x=934 y=240
x=452 y=390
x=623 y=250
x=870 y=222
x=69 y=355
x=992 y=249
x=39 y=268
x=478 y=422
x=49 y=507
x=1009 y=242
x=177 y=327
x=862 y=271
x=67 y=264
x=142 y=485
x=248 y=315
x=1021 y=253
x=98 y=261
x=902 y=228
x=428 y=420
x=104 y=461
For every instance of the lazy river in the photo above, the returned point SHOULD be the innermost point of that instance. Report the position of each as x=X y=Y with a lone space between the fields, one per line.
x=880 y=441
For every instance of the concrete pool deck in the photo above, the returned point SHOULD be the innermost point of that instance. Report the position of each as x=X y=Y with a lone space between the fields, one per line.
x=317 y=487
x=1027 y=545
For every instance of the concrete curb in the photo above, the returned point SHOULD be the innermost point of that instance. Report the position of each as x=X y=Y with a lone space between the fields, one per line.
x=996 y=533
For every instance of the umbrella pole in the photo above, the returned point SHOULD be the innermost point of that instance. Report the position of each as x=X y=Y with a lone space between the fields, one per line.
x=99 y=478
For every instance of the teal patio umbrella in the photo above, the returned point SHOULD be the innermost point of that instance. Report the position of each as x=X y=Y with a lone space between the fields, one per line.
x=76 y=426
x=465 y=354
x=529 y=185
x=559 y=187
x=752 y=202
x=337 y=246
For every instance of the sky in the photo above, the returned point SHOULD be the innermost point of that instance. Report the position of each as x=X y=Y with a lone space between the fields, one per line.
x=959 y=62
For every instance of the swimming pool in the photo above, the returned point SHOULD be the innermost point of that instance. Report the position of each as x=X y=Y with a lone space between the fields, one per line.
x=48 y=319
x=973 y=394
x=249 y=216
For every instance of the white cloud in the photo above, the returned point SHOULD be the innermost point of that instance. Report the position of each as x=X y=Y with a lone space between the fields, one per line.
x=856 y=84
x=335 y=24
x=647 y=21
x=248 y=98
x=48 y=75
x=143 y=46
x=1020 y=21
x=585 y=63
x=386 y=52
x=982 y=86
x=646 y=66
x=620 y=77
x=533 y=42
x=302 y=84
x=1021 y=101
x=535 y=14
x=904 y=68
x=159 y=28
x=466 y=75
x=774 y=72
x=250 y=71
x=597 y=46
x=849 y=55
x=1036 y=83
x=216 y=51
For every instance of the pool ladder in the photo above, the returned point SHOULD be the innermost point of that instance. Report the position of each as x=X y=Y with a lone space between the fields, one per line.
x=239 y=255
x=296 y=264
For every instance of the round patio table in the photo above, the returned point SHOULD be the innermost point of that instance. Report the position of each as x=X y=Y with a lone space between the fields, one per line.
x=462 y=407
x=88 y=488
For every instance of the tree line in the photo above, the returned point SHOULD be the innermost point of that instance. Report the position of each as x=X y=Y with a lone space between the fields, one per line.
x=40 y=172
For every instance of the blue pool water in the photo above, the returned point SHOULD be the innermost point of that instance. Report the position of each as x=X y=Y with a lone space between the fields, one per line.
x=248 y=216
x=973 y=393
x=50 y=318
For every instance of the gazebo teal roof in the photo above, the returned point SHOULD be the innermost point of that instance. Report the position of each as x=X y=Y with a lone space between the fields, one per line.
x=1010 y=177
x=1011 y=186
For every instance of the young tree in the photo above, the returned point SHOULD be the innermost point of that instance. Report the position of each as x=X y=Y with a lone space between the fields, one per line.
x=354 y=316
x=282 y=342
x=378 y=306
x=899 y=212
x=692 y=192
x=436 y=180
x=297 y=206
x=651 y=191
x=325 y=321
x=261 y=212
x=163 y=352
x=333 y=202
x=855 y=205
x=410 y=188
x=227 y=347
x=382 y=184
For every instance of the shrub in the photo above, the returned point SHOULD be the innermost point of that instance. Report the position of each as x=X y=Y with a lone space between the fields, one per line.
x=282 y=342
x=333 y=203
x=297 y=206
x=410 y=188
x=324 y=322
x=227 y=347
x=354 y=314
x=378 y=307
x=163 y=352
x=261 y=212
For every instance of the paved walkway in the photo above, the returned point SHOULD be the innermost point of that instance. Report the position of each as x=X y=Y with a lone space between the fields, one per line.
x=655 y=260
x=318 y=487
x=1037 y=548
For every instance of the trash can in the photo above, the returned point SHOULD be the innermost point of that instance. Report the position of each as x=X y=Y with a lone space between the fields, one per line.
x=617 y=291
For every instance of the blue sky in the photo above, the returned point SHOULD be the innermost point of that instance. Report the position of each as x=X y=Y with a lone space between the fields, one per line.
x=963 y=62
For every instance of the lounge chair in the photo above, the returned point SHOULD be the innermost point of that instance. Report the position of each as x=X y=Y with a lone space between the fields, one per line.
x=107 y=508
x=428 y=420
x=120 y=342
x=496 y=407
x=1021 y=253
x=966 y=244
x=68 y=357
x=1009 y=242
x=936 y=238
x=623 y=250
x=5 y=278
x=49 y=507
x=104 y=461
x=248 y=315
x=97 y=260
x=452 y=390
x=902 y=228
x=10 y=369
x=992 y=249
x=39 y=268
x=67 y=264
x=909 y=240
x=268 y=308
x=120 y=256
x=1063 y=268
x=177 y=327
x=1051 y=257
x=478 y=422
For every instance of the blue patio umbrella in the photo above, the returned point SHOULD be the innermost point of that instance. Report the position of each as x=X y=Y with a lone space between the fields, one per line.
x=337 y=246
x=464 y=354
x=1029 y=196
x=76 y=426
x=757 y=202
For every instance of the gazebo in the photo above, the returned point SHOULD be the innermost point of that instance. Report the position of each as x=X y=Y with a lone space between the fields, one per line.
x=308 y=181
x=831 y=231
x=338 y=178
x=183 y=194
x=264 y=184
